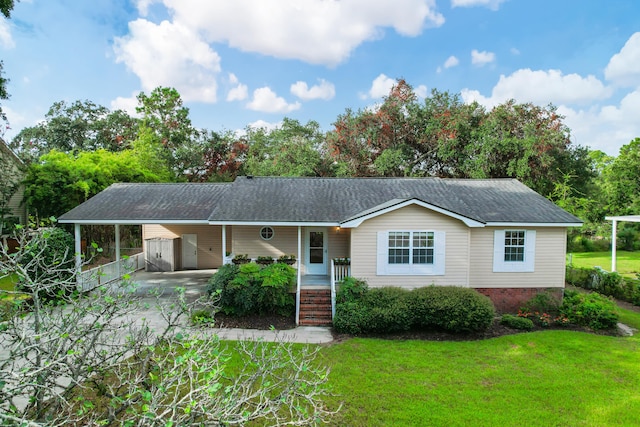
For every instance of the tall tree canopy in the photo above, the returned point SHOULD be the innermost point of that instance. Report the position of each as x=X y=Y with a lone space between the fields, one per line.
x=72 y=128
x=59 y=181
x=445 y=137
x=292 y=149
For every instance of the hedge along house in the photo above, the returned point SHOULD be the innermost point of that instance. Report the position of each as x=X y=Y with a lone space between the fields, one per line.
x=497 y=236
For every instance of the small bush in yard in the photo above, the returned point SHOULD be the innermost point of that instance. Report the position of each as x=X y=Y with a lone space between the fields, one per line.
x=351 y=289
x=452 y=308
x=352 y=317
x=393 y=309
x=274 y=295
x=593 y=310
x=543 y=302
x=389 y=309
x=248 y=288
x=515 y=322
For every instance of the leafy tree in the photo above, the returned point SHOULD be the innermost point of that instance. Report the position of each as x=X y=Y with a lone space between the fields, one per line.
x=71 y=128
x=445 y=137
x=292 y=149
x=95 y=360
x=621 y=180
x=61 y=181
x=163 y=112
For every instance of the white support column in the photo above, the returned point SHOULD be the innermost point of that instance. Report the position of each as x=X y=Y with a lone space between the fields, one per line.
x=299 y=279
x=78 y=252
x=614 y=233
x=224 y=243
x=119 y=269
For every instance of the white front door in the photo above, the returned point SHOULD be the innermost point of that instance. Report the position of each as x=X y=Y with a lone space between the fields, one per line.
x=189 y=251
x=316 y=253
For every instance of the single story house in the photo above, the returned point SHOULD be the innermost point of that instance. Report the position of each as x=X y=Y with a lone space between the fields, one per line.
x=494 y=235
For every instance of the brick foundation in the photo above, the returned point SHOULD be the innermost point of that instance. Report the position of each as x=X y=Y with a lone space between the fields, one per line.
x=509 y=300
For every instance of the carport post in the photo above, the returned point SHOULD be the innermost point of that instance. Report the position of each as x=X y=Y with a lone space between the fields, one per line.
x=78 y=254
x=614 y=232
x=118 y=269
x=224 y=243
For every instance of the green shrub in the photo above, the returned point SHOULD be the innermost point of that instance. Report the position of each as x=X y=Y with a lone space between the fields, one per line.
x=515 y=322
x=351 y=289
x=389 y=309
x=603 y=282
x=543 y=302
x=451 y=308
x=352 y=317
x=392 y=309
x=219 y=284
x=274 y=295
x=589 y=309
x=249 y=289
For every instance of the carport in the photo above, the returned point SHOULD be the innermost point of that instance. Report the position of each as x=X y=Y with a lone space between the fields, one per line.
x=614 y=232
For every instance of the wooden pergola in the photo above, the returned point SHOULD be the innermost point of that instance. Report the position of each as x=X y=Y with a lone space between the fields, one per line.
x=614 y=232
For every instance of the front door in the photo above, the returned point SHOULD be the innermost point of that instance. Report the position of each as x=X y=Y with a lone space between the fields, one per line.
x=316 y=259
x=189 y=251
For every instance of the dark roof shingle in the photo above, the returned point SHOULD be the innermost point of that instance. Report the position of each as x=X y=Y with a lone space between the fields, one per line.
x=316 y=200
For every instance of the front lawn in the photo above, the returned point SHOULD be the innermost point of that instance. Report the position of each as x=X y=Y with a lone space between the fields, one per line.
x=533 y=379
x=628 y=263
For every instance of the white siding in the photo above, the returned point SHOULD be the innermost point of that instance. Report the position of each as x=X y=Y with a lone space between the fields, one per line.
x=209 y=240
x=364 y=244
x=549 y=269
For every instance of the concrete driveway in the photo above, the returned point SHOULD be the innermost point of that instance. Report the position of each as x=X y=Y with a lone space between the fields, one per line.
x=195 y=284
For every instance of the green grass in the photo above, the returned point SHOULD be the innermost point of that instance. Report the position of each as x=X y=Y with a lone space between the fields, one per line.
x=628 y=263
x=550 y=378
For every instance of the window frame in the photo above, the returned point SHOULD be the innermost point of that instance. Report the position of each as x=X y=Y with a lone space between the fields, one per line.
x=500 y=247
x=263 y=229
x=436 y=267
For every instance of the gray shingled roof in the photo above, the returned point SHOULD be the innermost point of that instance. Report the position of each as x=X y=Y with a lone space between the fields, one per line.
x=317 y=200
x=149 y=202
x=271 y=199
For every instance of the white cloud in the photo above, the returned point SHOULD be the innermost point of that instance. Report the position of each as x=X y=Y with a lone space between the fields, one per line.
x=126 y=104
x=543 y=87
x=624 y=67
x=267 y=101
x=143 y=6
x=482 y=58
x=380 y=87
x=169 y=54
x=451 y=61
x=314 y=31
x=514 y=51
x=605 y=128
x=6 y=41
x=491 y=4
x=238 y=93
x=324 y=90
x=421 y=91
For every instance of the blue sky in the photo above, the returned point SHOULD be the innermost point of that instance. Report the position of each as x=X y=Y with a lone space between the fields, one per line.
x=253 y=62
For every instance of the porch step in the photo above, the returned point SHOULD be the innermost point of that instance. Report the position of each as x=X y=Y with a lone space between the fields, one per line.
x=315 y=307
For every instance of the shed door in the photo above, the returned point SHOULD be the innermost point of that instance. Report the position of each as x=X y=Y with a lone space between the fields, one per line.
x=189 y=251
